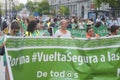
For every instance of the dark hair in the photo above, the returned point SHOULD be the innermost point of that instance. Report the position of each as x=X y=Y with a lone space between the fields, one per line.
x=88 y=28
x=15 y=25
x=98 y=24
x=113 y=28
x=27 y=20
x=75 y=21
x=31 y=26
x=103 y=19
x=4 y=25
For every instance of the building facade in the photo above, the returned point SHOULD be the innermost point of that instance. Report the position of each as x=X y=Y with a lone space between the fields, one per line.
x=6 y=5
x=79 y=8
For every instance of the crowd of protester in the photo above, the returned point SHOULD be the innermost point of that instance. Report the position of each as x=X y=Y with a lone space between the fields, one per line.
x=32 y=26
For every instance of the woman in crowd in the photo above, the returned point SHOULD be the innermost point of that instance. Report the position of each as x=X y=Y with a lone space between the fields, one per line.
x=15 y=29
x=31 y=30
x=5 y=29
x=42 y=32
x=63 y=32
x=113 y=30
x=74 y=23
x=90 y=33
x=81 y=24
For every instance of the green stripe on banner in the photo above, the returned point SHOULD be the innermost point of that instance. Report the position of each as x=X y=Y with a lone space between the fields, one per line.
x=64 y=59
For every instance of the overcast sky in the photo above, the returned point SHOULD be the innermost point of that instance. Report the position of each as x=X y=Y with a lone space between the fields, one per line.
x=23 y=1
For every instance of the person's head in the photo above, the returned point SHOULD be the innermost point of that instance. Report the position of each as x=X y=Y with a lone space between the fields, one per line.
x=31 y=18
x=72 y=20
x=31 y=26
x=4 y=25
x=15 y=27
x=90 y=31
x=63 y=24
x=40 y=26
x=98 y=24
x=114 y=29
x=103 y=19
x=98 y=17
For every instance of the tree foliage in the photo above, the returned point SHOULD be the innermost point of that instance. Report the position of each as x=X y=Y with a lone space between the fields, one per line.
x=44 y=7
x=2 y=12
x=52 y=10
x=40 y=7
x=114 y=3
x=29 y=6
x=64 y=10
x=18 y=7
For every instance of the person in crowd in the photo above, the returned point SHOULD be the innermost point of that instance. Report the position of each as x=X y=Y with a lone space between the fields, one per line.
x=31 y=30
x=113 y=21
x=5 y=28
x=63 y=32
x=69 y=23
x=50 y=27
x=98 y=19
x=113 y=30
x=48 y=22
x=24 y=24
x=40 y=27
x=98 y=24
x=74 y=23
x=81 y=24
x=15 y=29
x=103 y=21
x=89 y=23
x=90 y=33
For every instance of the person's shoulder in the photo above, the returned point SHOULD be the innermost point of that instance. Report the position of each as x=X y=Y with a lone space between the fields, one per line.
x=87 y=35
x=97 y=35
x=58 y=30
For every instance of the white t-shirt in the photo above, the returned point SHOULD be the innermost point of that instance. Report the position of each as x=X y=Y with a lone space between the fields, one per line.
x=59 y=33
x=113 y=22
x=81 y=25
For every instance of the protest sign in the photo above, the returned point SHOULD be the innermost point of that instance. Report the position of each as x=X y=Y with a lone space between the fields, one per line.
x=63 y=58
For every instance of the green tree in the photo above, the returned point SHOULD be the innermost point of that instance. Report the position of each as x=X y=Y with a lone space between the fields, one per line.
x=40 y=7
x=35 y=6
x=18 y=7
x=64 y=10
x=114 y=3
x=2 y=12
x=44 y=7
x=30 y=6
x=52 y=10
